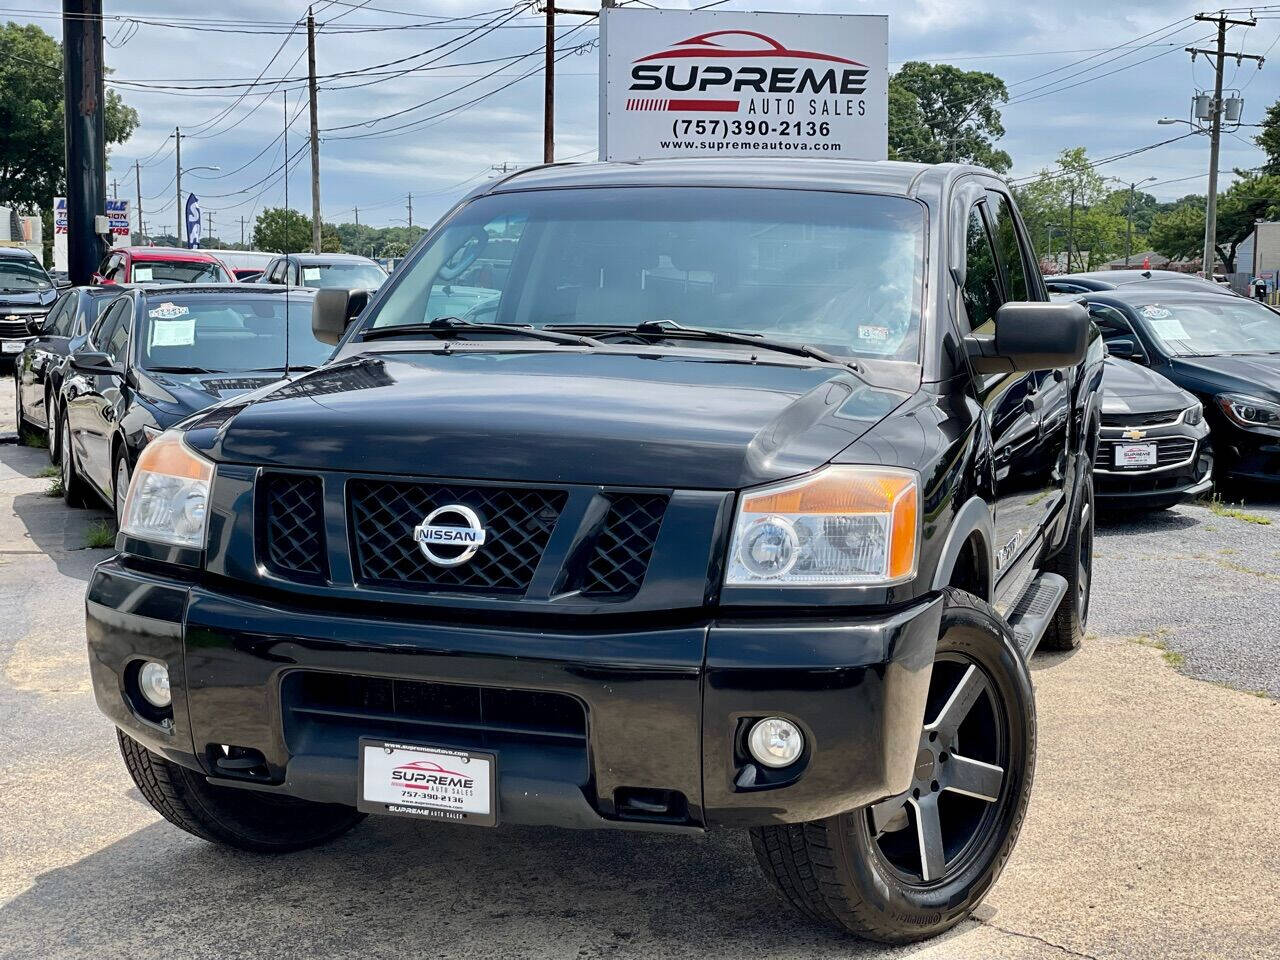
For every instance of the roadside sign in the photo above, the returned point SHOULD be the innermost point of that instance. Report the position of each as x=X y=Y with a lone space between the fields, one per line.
x=117 y=211
x=690 y=83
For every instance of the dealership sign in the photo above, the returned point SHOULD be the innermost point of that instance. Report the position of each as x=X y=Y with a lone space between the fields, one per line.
x=677 y=83
x=118 y=214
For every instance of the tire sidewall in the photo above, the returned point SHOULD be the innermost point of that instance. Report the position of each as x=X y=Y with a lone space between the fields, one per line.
x=979 y=634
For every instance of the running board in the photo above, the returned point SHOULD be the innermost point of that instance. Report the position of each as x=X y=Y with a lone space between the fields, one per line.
x=1031 y=615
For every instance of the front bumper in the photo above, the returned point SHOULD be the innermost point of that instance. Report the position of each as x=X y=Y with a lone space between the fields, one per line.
x=666 y=708
x=1184 y=470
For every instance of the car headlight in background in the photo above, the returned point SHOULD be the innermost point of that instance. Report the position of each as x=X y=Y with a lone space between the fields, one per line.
x=169 y=494
x=1250 y=412
x=842 y=526
x=1194 y=415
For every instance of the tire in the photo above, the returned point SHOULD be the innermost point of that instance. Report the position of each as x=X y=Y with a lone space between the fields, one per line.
x=20 y=423
x=244 y=819
x=120 y=475
x=1074 y=563
x=51 y=425
x=865 y=871
x=74 y=491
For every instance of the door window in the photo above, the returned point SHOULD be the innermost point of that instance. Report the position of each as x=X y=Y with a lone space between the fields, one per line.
x=1018 y=282
x=117 y=344
x=59 y=320
x=982 y=293
x=1112 y=324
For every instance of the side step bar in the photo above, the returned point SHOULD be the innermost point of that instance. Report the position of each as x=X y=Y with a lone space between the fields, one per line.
x=1031 y=615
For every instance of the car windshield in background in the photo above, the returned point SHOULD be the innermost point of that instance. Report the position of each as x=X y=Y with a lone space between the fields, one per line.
x=227 y=333
x=177 y=271
x=343 y=276
x=831 y=270
x=23 y=275
x=1202 y=328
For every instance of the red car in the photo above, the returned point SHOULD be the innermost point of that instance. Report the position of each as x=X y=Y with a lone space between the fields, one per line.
x=161 y=265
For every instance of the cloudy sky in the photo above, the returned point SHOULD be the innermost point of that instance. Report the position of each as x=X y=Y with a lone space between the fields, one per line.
x=1068 y=85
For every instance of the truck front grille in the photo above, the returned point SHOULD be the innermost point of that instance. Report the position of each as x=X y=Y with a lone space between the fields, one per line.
x=518 y=524
x=625 y=543
x=293 y=520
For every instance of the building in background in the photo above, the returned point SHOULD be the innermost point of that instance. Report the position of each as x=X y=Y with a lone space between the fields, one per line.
x=17 y=230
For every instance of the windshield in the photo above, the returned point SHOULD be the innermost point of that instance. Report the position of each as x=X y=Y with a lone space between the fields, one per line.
x=344 y=276
x=245 y=259
x=178 y=271
x=1203 y=328
x=837 y=271
x=23 y=275
x=227 y=334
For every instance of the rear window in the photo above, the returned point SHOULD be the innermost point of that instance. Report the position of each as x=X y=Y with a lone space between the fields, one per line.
x=343 y=276
x=228 y=333
x=177 y=271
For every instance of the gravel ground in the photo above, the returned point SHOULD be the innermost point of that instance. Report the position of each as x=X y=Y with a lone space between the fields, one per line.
x=1202 y=585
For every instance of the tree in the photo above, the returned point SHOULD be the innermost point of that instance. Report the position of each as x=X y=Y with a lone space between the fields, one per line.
x=1071 y=204
x=330 y=242
x=1179 y=232
x=1268 y=139
x=281 y=230
x=939 y=113
x=32 y=161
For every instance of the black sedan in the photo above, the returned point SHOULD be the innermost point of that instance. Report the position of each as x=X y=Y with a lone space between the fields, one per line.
x=1153 y=450
x=1225 y=351
x=158 y=355
x=41 y=367
x=1125 y=280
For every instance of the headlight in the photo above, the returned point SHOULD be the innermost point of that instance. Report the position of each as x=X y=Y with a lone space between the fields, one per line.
x=842 y=526
x=1194 y=415
x=169 y=494
x=1250 y=412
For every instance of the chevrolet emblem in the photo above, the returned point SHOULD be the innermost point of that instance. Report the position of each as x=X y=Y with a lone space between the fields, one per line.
x=1134 y=434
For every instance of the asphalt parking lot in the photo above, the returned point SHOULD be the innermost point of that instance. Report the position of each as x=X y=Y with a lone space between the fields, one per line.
x=1151 y=831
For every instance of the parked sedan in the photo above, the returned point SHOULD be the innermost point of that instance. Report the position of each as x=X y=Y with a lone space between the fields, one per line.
x=1154 y=449
x=343 y=271
x=161 y=265
x=1122 y=280
x=40 y=368
x=160 y=354
x=1225 y=351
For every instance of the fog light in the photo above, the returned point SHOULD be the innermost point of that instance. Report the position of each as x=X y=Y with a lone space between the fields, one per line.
x=153 y=681
x=776 y=742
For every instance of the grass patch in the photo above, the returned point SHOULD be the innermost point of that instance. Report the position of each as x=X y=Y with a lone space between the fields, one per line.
x=1156 y=642
x=1241 y=568
x=100 y=535
x=55 y=488
x=48 y=472
x=37 y=440
x=1223 y=509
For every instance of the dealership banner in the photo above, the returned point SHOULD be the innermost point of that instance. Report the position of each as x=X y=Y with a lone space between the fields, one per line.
x=699 y=83
x=117 y=211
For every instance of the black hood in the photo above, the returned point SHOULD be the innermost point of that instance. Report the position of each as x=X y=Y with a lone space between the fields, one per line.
x=1131 y=388
x=27 y=301
x=554 y=417
x=175 y=396
x=1255 y=374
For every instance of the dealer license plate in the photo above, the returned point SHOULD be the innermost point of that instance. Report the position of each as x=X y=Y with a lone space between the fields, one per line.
x=12 y=346
x=414 y=780
x=1135 y=455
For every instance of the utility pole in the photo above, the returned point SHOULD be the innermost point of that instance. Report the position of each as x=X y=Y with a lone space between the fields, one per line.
x=411 y=209
x=1215 y=133
x=86 y=158
x=242 y=229
x=315 y=133
x=1071 y=229
x=208 y=216
x=549 y=75
x=115 y=186
x=177 y=135
x=356 y=210
x=137 y=173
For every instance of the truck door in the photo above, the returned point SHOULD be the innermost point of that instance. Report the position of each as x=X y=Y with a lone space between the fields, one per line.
x=1008 y=401
x=1048 y=390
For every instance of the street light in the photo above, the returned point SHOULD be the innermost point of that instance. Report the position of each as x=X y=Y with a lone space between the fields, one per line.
x=1128 y=213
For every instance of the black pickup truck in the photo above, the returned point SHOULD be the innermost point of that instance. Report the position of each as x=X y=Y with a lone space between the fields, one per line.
x=665 y=496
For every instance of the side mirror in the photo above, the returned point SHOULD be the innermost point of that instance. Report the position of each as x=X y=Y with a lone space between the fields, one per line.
x=1125 y=350
x=1032 y=335
x=95 y=364
x=35 y=326
x=333 y=311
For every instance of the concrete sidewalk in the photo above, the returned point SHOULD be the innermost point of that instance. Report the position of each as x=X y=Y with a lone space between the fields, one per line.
x=1152 y=831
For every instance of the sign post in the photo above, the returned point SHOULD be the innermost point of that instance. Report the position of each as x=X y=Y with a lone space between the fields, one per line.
x=711 y=83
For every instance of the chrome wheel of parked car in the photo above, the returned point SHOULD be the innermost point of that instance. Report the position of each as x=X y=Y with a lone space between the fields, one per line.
x=121 y=491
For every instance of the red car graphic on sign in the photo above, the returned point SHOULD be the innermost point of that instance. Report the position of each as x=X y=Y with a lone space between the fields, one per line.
x=703 y=45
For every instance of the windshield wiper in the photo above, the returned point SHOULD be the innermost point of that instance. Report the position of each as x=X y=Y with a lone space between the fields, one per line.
x=670 y=328
x=183 y=370
x=453 y=327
